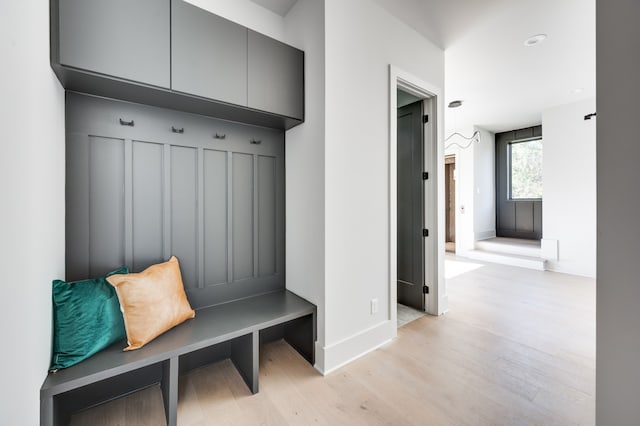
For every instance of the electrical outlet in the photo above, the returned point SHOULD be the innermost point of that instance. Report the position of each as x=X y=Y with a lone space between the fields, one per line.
x=374 y=306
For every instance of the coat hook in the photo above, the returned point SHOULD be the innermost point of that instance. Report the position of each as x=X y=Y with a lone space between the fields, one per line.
x=180 y=130
x=217 y=136
x=126 y=123
x=255 y=141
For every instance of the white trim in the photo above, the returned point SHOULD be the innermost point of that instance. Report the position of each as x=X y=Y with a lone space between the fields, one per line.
x=436 y=302
x=485 y=235
x=355 y=346
x=319 y=365
x=549 y=249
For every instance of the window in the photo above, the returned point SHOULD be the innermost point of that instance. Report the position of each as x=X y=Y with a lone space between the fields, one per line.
x=525 y=163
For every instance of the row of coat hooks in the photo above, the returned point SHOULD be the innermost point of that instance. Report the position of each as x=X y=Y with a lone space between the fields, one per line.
x=180 y=130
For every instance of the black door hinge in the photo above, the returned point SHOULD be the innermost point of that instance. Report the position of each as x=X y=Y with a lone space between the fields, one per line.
x=425 y=289
x=425 y=232
x=425 y=118
x=425 y=175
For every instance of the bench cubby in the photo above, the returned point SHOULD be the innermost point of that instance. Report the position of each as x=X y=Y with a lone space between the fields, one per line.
x=232 y=330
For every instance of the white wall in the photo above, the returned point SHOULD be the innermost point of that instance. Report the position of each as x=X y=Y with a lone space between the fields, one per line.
x=475 y=188
x=465 y=181
x=361 y=41
x=618 y=181
x=246 y=13
x=484 y=186
x=32 y=216
x=568 y=172
x=305 y=167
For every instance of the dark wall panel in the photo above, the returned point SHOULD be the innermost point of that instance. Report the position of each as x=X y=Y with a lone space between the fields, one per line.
x=215 y=217
x=242 y=207
x=106 y=204
x=266 y=213
x=148 y=204
x=524 y=216
x=77 y=207
x=184 y=228
x=138 y=193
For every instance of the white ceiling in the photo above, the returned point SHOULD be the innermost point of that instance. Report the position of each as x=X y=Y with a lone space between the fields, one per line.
x=504 y=85
x=281 y=7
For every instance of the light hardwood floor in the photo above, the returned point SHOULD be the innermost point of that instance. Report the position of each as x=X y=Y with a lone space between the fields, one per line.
x=516 y=348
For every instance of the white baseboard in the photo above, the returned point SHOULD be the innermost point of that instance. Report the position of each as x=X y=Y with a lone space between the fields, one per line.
x=485 y=235
x=319 y=365
x=549 y=249
x=340 y=353
x=582 y=270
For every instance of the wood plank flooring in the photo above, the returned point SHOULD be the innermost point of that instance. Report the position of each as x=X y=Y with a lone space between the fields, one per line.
x=516 y=348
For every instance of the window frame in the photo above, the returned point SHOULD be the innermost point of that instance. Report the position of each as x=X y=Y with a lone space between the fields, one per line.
x=510 y=169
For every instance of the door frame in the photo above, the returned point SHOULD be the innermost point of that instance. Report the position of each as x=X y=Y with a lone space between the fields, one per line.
x=432 y=95
x=448 y=160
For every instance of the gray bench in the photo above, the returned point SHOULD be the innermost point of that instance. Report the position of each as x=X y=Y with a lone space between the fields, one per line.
x=231 y=330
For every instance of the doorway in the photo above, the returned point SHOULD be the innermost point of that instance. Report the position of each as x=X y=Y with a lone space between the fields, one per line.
x=410 y=207
x=519 y=183
x=450 y=202
x=434 y=297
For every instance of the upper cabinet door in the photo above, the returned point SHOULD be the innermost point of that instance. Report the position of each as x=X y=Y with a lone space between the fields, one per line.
x=276 y=76
x=209 y=55
x=128 y=39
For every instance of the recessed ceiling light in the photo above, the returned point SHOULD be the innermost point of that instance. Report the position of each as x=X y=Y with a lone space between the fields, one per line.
x=455 y=104
x=535 y=40
x=577 y=91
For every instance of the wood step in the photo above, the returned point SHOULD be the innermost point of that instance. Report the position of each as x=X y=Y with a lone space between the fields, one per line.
x=529 y=262
x=514 y=246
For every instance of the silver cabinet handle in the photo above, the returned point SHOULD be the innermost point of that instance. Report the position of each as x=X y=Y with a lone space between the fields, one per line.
x=180 y=130
x=255 y=141
x=217 y=136
x=126 y=123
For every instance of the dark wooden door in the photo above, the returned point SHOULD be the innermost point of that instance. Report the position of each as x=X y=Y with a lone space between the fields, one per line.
x=450 y=198
x=410 y=206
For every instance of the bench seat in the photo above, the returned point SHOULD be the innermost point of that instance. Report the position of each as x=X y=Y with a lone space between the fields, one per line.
x=230 y=330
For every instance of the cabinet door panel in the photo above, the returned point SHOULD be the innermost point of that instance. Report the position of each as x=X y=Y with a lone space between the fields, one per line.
x=275 y=76
x=209 y=55
x=129 y=39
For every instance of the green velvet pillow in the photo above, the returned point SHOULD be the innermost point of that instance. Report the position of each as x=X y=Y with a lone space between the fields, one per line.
x=86 y=319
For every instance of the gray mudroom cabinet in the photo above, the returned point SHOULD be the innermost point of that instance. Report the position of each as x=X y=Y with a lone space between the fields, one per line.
x=209 y=54
x=128 y=39
x=276 y=75
x=171 y=54
x=175 y=129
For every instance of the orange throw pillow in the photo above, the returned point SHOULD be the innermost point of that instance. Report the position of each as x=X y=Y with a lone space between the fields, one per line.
x=152 y=301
